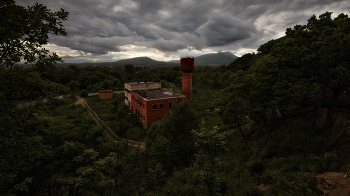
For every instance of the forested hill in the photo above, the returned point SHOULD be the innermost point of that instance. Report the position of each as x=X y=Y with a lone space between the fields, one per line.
x=142 y=61
x=221 y=58
x=137 y=61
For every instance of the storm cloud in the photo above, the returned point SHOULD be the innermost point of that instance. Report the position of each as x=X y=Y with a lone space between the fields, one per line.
x=103 y=29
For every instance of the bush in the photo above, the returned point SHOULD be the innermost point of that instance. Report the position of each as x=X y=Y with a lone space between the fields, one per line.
x=256 y=168
x=84 y=93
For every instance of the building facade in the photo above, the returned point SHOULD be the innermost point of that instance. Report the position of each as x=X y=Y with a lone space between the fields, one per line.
x=150 y=103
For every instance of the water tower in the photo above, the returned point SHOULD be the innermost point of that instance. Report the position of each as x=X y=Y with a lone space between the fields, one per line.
x=187 y=66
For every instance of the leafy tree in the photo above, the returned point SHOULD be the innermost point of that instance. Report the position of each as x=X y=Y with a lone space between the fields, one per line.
x=73 y=85
x=242 y=63
x=313 y=58
x=124 y=120
x=129 y=71
x=23 y=32
x=171 y=139
x=307 y=66
x=209 y=144
x=84 y=93
x=145 y=93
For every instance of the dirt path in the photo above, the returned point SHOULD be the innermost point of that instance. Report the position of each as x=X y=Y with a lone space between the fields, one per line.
x=110 y=134
x=330 y=183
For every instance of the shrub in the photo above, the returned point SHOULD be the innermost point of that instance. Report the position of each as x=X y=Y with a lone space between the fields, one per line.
x=84 y=93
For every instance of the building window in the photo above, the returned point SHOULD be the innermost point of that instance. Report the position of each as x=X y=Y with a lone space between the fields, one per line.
x=169 y=105
x=154 y=106
x=141 y=103
x=138 y=102
x=161 y=106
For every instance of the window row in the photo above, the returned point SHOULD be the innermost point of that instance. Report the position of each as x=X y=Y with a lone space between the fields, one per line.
x=139 y=114
x=140 y=103
x=160 y=106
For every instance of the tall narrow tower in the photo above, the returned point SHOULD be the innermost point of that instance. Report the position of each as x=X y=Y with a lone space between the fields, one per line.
x=187 y=66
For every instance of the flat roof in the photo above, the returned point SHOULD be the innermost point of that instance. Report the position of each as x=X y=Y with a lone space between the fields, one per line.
x=141 y=82
x=154 y=94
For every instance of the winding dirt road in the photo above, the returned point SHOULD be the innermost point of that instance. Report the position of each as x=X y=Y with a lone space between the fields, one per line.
x=110 y=134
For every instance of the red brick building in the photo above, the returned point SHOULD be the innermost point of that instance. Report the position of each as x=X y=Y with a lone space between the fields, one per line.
x=105 y=94
x=150 y=103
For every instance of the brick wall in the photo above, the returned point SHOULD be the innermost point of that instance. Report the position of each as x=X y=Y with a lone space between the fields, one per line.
x=151 y=111
x=105 y=94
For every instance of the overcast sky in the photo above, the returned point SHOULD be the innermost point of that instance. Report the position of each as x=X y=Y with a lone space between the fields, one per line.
x=110 y=30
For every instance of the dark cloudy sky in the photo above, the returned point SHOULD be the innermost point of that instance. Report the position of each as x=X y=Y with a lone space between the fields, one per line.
x=109 y=30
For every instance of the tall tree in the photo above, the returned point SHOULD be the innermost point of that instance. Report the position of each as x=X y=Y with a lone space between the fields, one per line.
x=307 y=66
x=209 y=144
x=171 y=139
x=312 y=59
x=23 y=32
x=129 y=71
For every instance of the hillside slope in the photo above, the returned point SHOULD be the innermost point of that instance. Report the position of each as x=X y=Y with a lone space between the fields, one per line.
x=338 y=122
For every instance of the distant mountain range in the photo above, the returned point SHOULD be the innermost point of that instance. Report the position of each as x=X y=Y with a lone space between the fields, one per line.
x=141 y=61
x=221 y=58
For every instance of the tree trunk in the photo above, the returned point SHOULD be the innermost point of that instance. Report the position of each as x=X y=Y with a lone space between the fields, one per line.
x=240 y=128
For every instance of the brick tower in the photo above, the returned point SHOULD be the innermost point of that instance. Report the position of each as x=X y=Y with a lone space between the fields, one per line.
x=187 y=66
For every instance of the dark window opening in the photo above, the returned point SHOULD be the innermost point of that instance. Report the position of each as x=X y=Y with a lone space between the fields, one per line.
x=154 y=106
x=169 y=105
x=161 y=106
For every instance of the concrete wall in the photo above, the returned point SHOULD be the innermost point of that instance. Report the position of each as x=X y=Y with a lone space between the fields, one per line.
x=142 y=85
x=93 y=94
x=138 y=86
x=97 y=94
